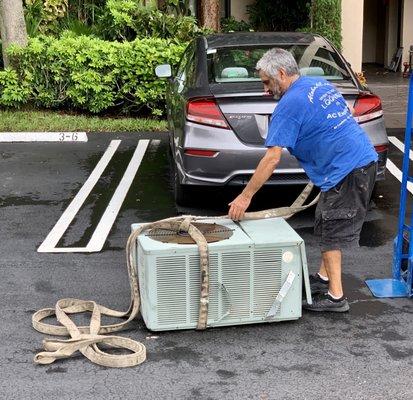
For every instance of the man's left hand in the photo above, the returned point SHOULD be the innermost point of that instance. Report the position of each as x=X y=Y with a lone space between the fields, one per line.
x=238 y=207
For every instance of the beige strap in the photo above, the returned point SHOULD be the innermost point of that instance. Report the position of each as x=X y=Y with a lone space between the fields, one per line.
x=85 y=339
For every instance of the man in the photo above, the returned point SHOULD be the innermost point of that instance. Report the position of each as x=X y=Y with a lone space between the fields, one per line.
x=313 y=121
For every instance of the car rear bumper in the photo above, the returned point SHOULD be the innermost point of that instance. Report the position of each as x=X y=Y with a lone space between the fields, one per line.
x=235 y=162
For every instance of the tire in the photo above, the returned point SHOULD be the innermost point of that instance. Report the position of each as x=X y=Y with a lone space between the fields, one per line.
x=181 y=192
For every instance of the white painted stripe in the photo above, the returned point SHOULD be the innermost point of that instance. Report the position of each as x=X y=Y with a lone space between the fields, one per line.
x=398 y=174
x=101 y=232
x=43 y=137
x=400 y=145
x=66 y=250
x=66 y=218
x=155 y=144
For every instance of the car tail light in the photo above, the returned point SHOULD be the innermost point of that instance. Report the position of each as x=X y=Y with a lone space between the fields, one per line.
x=367 y=107
x=381 y=148
x=200 y=153
x=206 y=112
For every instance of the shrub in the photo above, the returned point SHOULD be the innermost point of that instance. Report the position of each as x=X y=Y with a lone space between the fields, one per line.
x=13 y=90
x=88 y=74
x=326 y=20
x=129 y=19
x=232 y=25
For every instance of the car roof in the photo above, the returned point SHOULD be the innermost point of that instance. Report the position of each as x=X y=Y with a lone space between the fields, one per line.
x=258 y=38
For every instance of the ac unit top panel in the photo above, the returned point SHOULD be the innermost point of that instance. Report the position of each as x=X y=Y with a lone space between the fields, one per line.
x=245 y=233
x=271 y=230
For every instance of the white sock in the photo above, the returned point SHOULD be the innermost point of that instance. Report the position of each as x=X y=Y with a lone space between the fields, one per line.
x=324 y=278
x=334 y=297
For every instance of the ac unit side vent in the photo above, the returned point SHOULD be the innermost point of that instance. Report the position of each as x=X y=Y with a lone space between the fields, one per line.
x=194 y=288
x=171 y=293
x=266 y=279
x=236 y=272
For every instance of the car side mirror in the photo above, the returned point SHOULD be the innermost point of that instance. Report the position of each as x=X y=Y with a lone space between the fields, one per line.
x=163 y=71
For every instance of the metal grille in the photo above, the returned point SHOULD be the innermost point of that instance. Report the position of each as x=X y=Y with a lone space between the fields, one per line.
x=171 y=290
x=194 y=288
x=236 y=273
x=296 y=178
x=244 y=283
x=267 y=279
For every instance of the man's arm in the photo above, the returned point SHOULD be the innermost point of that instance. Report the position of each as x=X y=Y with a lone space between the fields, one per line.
x=264 y=170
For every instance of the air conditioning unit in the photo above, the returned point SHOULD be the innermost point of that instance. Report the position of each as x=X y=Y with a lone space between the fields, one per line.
x=256 y=275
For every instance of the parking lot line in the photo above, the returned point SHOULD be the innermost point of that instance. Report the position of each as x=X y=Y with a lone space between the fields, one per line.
x=398 y=174
x=101 y=232
x=49 y=244
x=400 y=145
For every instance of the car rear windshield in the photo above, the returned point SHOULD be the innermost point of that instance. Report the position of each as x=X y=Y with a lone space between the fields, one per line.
x=237 y=64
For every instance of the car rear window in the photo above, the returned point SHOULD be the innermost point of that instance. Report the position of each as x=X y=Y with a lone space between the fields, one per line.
x=237 y=64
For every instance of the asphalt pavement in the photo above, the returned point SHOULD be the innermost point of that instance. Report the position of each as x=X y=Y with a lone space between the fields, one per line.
x=364 y=354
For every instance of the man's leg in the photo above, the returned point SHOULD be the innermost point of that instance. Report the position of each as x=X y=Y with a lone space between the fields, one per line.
x=322 y=271
x=331 y=261
x=333 y=300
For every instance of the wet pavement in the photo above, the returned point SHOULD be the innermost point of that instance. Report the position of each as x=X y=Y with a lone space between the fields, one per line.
x=365 y=354
x=392 y=89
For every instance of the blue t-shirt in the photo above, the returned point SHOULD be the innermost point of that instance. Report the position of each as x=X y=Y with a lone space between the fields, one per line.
x=313 y=121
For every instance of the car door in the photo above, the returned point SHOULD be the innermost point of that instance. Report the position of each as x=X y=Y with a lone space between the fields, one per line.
x=179 y=88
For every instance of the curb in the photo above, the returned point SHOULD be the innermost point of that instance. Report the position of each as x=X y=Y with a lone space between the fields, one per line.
x=43 y=137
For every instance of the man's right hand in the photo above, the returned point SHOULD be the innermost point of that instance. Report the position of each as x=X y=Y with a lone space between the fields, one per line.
x=238 y=207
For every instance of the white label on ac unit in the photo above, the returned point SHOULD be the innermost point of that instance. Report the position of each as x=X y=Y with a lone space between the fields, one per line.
x=288 y=257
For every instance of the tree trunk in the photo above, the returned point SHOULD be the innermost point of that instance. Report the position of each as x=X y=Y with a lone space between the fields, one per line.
x=210 y=14
x=13 y=25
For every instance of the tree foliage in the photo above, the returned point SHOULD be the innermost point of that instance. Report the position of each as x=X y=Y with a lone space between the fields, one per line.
x=326 y=20
x=278 y=15
x=128 y=19
x=318 y=16
x=111 y=19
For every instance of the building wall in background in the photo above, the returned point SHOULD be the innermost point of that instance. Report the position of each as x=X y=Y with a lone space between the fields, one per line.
x=370 y=31
x=352 y=31
x=239 y=9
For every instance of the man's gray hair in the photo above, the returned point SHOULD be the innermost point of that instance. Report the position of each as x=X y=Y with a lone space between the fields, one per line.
x=276 y=58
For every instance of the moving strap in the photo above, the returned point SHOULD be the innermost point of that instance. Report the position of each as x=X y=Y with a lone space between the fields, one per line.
x=85 y=339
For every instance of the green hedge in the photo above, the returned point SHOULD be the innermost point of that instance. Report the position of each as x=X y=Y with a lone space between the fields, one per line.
x=86 y=73
x=326 y=16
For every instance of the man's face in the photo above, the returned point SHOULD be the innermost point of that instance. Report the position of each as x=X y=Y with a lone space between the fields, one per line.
x=272 y=84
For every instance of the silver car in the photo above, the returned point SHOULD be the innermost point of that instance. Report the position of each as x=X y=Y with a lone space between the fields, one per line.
x=218 y=112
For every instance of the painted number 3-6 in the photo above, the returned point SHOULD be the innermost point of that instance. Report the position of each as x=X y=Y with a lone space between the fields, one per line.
x=66 y=136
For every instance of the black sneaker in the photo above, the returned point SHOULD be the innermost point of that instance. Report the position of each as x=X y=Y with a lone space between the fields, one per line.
x=324 y=302
x=318 y=284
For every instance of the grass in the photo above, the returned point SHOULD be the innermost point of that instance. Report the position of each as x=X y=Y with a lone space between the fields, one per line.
x=49 y=121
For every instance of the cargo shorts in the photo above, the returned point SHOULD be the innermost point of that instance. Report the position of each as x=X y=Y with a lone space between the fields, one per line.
x=341 y=211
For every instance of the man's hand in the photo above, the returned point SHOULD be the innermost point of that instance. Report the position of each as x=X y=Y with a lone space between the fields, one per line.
x=238 y=207
x=262 y=173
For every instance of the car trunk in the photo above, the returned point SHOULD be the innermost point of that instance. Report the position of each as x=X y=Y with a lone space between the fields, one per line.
x=248 y=110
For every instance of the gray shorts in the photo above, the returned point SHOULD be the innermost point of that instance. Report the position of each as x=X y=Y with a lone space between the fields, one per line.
x=341 y=211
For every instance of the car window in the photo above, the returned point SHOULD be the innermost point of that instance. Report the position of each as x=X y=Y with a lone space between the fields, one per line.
x=232 y=64
x=327 y=61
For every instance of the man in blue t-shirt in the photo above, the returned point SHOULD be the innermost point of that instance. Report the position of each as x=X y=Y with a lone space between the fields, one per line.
x=313 y=121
